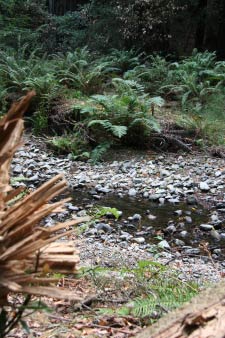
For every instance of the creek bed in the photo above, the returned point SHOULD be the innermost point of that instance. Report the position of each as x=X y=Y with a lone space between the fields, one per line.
x=147 y=223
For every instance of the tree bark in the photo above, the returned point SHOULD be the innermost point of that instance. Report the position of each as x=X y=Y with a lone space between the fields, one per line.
x=215 y=27
x=203 y=317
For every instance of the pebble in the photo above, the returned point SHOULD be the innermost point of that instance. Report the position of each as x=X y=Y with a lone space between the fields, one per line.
x=164 y=245
x=204 y=186
x=139 y=240
x=206 y=227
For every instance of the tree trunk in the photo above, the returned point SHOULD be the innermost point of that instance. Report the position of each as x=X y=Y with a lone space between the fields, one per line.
x=203 y=317
x=215 y=27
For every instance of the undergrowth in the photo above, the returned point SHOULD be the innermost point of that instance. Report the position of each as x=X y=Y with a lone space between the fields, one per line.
x=146 y=291
x=118 y=96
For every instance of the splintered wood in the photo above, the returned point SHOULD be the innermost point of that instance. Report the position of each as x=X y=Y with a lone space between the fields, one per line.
x=29 y=251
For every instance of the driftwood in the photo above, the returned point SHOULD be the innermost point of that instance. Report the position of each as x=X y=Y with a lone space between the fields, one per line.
x=28 y=251
x=203 y=317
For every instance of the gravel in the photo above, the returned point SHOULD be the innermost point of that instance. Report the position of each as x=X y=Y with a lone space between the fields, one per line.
x=161 y=178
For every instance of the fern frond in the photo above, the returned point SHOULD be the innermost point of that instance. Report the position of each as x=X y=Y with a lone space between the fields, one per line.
x=99 y=151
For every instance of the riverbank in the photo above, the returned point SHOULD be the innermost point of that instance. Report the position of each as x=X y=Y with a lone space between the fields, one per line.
x=169 y=178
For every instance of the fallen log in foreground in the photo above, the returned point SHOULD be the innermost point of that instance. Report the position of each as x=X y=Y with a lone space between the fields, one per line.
x=203 y=317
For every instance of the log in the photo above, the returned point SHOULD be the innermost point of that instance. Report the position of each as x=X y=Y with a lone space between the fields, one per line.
x=203 y=317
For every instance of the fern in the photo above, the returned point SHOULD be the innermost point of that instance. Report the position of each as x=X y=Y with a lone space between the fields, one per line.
x=127 y=86
x=117 y=131
x=99 y=151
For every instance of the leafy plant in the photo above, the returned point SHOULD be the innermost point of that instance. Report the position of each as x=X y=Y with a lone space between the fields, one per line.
x=104 y=211
x=153 y=289
x=123 y=60
x=122 y=117
x=206 y=122
x=152 y=75
x=70 y=143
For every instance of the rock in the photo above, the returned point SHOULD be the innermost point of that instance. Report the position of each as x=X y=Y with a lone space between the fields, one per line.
x=174 y=200
x=132 y=192
x=154 y=197
x=97 y=197
x=188 y=219
x=217 y=251
x=151 y=217
x=125 y=236
x=179 y=242
x=164 y=172
x=72 y=208
x=164 y=245
x=18 y=169
x=191 y=200
x=139 y=240
x=214 y=234
x=206 y=227
x=178 y=212
x=170 y=229
x=220 y=205
x=214 y=217
x=34 y=178
x=136 y=217
x=82 y=213
x=183 y=234
x=161 y=200
x=204 y=186
x=191 y=251
x=221 y=210
x=103 y=227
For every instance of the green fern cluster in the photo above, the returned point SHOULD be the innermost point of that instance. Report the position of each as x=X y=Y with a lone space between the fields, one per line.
x=122 y=117
x=156 y=290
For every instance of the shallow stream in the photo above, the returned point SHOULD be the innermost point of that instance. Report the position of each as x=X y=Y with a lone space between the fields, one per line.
x=179 y=224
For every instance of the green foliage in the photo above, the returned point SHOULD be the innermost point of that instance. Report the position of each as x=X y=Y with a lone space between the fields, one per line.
x=206 y=121
x=70 y=143
x=195 y=78
x=152 y=74
x=104 y=211
x=123 y=60
x=121 y=117
x=155 y=289
x=100 y=150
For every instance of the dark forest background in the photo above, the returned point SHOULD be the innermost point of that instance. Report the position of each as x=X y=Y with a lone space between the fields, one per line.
x=172 y=26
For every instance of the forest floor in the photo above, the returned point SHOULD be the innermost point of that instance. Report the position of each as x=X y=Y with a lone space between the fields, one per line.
x=191 y=184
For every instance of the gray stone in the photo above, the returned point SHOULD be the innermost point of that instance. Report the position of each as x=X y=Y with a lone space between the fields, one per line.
x=188 y=219
x=151 y=217
x=103 y=227
x=154 y=197
x=132 y=192
x=18 y=169
x=164 y=245
x=191 y=200
x=214 y=234
x=204 y=186
x=179 y=242
x=206 y=227
x=183 y=234
x=136 y=217
x=139 y=240
x=170 y=229
x=178 y=212
x=82 y=213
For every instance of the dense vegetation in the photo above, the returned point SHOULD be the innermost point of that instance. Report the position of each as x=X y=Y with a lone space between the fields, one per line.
x=96 y=88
